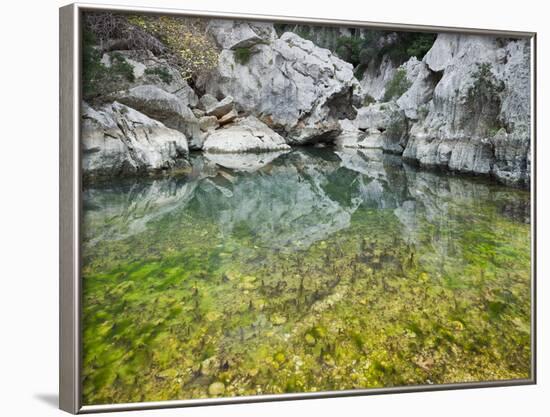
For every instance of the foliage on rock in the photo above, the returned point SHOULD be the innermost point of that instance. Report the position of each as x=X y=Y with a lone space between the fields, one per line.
x=190 y=50
x=161 y=72
x=483 y=101
x=397 y=86
x=180 y=41
x=99 y=78
x=242 y=55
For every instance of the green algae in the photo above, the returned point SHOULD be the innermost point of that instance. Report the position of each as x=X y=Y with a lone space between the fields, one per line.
x=196 y=291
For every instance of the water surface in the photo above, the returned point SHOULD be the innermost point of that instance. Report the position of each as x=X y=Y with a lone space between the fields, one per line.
x=306 y=271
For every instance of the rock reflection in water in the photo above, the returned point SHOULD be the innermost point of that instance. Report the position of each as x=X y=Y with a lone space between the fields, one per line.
x=302 y=271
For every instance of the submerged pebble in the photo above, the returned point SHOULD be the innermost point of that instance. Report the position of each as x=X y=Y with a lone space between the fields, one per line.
x=217 y=388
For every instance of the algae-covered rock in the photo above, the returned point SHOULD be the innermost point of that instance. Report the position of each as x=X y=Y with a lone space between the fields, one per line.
x=216 y=389
x=278 y=319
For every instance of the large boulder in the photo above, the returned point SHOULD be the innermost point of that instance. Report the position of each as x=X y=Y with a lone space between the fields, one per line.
x=385 y=127
x=230 y=34
x=118 y=140
x=246 y=135
x=350 y=136
x=220 y=108
x=149 y=69
x=165 y=107
x=295 y=87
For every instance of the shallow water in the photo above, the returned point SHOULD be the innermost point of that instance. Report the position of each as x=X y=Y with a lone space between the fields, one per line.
x=300 y=272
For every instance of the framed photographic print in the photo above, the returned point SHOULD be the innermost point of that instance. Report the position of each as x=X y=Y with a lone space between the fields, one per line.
x=259 y=208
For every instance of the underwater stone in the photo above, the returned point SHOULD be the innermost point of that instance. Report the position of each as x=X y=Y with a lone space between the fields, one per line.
x=277 y=319
x=216 y=388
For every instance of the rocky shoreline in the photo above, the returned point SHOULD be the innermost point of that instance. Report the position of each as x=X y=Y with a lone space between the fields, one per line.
x=464 y=107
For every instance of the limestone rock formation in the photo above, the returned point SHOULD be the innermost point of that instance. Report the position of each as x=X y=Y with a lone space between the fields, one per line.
x=246 y=135
x=295 y=87
x=478 y=119
x=165 y=107
x=118 y=140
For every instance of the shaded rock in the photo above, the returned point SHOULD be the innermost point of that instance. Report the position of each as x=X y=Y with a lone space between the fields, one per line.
x=385 y=127
x=220 y=109
x=423 y=82
x=376 y=77
x=228 y=118
x=291 y=84
x=350 y=135
x=149 y=69
x=208 y=123
x=248 y=162
x=230 y=34
x=118 y=140
x=471 y=156
x=207 y=101
x=168 y=108
x=480 y=106
x=198 y=113
x=247 y=135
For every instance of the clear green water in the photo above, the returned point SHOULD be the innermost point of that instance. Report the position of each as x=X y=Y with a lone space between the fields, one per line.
x=315 y=271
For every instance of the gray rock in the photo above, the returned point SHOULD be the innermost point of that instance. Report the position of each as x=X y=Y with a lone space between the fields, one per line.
x=207 y=101
x=146 y=68
x=228 y=118
x=231 y=34
x=248 y=162
x=168 y=108
x=423 y=82
x=376 y=77
x=198 y=113
x=118 y=140
x=385 y=127
x=350 y=136
x=481 y=132
x=220 y=109
x=291 y=84
x=208 y=123
x=247 y=135
x=470 y=156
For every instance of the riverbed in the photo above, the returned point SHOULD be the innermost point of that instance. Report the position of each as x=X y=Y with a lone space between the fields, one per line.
x=302 y=271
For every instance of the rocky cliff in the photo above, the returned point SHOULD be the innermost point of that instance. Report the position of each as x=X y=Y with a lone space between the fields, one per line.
x=464 y=106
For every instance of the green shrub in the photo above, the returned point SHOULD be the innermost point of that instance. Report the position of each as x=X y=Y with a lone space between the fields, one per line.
x=368 y=100
x=185 y=44
x=98 y=78
x=121 y=67
x=360 y=71
x=161 y=72
x=397 y=127
x=397 y=86
x=405 y=46
x=242 y=55
x=92 y=67
x=419 y=45
x=483 y=101
x=348 y=48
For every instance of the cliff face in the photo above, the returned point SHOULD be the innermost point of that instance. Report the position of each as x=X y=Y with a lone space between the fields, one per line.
x=294 y=86
x=478 y=118
x=465 y=106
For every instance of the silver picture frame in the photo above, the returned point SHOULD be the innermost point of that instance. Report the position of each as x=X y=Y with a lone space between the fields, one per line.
x=70 y=203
